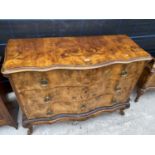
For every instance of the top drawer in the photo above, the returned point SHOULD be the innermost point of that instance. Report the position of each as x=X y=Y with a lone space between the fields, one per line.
x=56 y=78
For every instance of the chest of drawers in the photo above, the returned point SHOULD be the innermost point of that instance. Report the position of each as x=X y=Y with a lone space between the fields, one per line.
x=147 y=79
x=72 y=78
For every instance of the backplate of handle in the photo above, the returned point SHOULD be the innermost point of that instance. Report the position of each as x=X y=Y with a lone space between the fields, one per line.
x=47 y=98
x=124 y=73
x=44 y=82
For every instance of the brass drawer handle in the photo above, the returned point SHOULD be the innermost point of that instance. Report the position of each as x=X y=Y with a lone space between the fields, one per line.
x=44 y=82
x=124 y=73
x=47 y=98
x=49 y=112
x=118 y=90
x=83 y=106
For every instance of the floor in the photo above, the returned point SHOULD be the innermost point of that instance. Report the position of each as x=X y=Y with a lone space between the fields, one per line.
x=138 y=120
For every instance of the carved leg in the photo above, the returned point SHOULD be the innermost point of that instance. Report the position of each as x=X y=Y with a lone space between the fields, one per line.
x=140 y=92
x=27 y=125
x=30 y=130
x=122 y=109
x=15 y=125
x=122 y=112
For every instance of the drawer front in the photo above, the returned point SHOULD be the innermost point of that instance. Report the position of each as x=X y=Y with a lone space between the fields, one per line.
x=51 y=79
x=43 y=105
x=82 y=106
x=56 y=78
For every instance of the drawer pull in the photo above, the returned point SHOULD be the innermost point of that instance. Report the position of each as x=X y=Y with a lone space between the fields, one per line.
x=44 y=82
x=124 y=73
x=49 y=112
x=83 y=106
x=47 y=98
x=118 y=90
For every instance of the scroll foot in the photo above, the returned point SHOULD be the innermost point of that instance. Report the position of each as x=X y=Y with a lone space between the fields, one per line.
x=139 y=93
x=122 y=112
x=30 y=131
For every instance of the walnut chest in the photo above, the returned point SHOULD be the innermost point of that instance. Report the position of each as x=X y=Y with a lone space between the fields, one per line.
x=72 y=78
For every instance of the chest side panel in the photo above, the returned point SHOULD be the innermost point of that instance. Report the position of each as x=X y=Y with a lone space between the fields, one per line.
x=3 y=117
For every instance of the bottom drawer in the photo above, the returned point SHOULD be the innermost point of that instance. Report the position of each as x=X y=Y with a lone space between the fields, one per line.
x=40 y=106
x=81 y=106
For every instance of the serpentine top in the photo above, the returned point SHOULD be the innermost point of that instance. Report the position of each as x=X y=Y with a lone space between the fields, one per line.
x=42 y=54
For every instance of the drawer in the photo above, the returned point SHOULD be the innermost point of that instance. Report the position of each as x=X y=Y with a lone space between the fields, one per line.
x=68 y=94
x=81 y=106
x=40 y=104
x=51 y=79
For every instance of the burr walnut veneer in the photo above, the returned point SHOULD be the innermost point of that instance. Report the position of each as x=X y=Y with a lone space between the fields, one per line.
x=72 y=78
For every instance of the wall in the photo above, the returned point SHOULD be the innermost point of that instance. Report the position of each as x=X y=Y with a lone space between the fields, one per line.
x=142 y=31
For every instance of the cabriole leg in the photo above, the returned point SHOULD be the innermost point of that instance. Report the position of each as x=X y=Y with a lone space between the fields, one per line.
x=140 y=92
x=30 y=130
x=29 y=127
x=122 y=112
x=122 y=109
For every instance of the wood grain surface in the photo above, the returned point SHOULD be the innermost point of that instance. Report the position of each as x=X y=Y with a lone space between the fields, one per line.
x=58 y=53
x=70 y=77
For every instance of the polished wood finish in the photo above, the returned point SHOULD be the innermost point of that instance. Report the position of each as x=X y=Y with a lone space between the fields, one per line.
x=75 y=91
x=147 y=80
x=44 y=54
x=72 y=78
x=8 y=109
